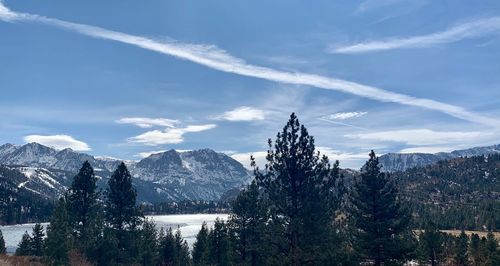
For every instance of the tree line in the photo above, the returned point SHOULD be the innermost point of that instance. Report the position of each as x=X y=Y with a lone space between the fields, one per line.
x=296 y=211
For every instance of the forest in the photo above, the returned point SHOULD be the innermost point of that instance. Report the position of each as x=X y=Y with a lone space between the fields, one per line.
x=300 y=209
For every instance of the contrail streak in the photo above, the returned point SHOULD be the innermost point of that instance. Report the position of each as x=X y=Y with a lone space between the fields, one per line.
x=212 y=57
x=468 y=30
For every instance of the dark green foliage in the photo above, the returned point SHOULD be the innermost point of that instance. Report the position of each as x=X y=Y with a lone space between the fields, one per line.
x=58 y=241
x=2 y=244
x=461 y=244
x=380 y=225
x=300 y=187
x=173 y=249
x=107 y=251
x=220 y=249
x=24 y=246
x=122 y=215
x=84 y=209
x=37 y=241
x=455 y=194
x=201 y=247
x=149 y=244
x=247 y=224
x=431 y=245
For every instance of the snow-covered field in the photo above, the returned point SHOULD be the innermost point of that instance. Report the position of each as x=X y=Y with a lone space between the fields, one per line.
x=189 y=225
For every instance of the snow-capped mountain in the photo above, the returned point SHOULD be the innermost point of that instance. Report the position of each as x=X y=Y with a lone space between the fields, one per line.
x=171 y=175
x=401 y=161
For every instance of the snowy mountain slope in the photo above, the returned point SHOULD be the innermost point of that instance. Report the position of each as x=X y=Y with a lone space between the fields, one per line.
x=171 y=175
x=401 y=161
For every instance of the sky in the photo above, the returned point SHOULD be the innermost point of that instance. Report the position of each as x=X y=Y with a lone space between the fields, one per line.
x=125 y=79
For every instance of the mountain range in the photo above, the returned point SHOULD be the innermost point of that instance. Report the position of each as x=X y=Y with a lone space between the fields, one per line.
x=393 y=162
x=167 y=176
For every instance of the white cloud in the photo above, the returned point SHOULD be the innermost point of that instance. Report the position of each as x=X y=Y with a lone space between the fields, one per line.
x=429 y=149
x=472 y=29
x=212 y=57
x=168 y=136
x=244 y=158
x=345 y=115
x=243 y=113
x=58 y=142
x=146 y=122
x=420 y=136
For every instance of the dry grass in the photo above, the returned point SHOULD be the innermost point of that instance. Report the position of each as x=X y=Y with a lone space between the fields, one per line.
x=19 y=261
x=467 y=232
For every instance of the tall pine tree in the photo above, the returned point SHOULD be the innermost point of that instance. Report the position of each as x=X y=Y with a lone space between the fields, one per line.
x=37 y=241
x=122 y=214
x=201 y=247
x=247 y=223
x=24 y=246
x=84 y=209
x=380 y=225
x=300 y=186
x=57 y=243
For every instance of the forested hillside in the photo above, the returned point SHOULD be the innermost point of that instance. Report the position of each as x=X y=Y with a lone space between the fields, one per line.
x=17 y=204
x=462 y=193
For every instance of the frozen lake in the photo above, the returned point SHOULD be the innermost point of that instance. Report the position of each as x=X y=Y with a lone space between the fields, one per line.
x=189 y=225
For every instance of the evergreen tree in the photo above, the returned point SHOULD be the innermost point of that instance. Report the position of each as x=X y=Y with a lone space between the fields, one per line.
x=24 y=246
x=57 y=243
x=107 y=251
x=300 y=187
x=461 y=244
x=219 y=244
x=431 y=243
x=84 y=209
x=122 y=214
x=200 y=247
x=2 y=244
x=37 y=241
x=149 y=243
x=491 y=250
x=168 y=251
x=477 y=250
x=248 y=223
x=380 y=234
x=182 y=250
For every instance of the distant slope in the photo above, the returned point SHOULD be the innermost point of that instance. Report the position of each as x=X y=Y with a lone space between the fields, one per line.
x=402 y=161
x=167 y=176
x=19 y=204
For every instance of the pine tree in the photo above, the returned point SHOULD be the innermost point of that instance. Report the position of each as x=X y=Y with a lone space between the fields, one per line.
x=84 y=209
x=37 y=241
x=431 y=243
x=200 y=247
x=24 y=246
x=182 y=250
x=168 y=251
x=219 y=244
x=248 y=223
x=300 y=186
x=2 y=244
x=461 y=244
x=57 y=243
x=380 y=232
x=477 y=250
x=149 y=243
x=122 y=214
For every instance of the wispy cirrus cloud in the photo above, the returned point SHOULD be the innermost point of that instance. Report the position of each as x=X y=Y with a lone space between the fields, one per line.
x=345 y=115
x=168 y=136
x=212 y=57
x=421 y=136
x=58 y=142
x=146 y=122
x=468 y=30
x=243 y=113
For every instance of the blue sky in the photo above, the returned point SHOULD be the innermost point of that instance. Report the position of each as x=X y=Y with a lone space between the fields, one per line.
x=123 y=79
